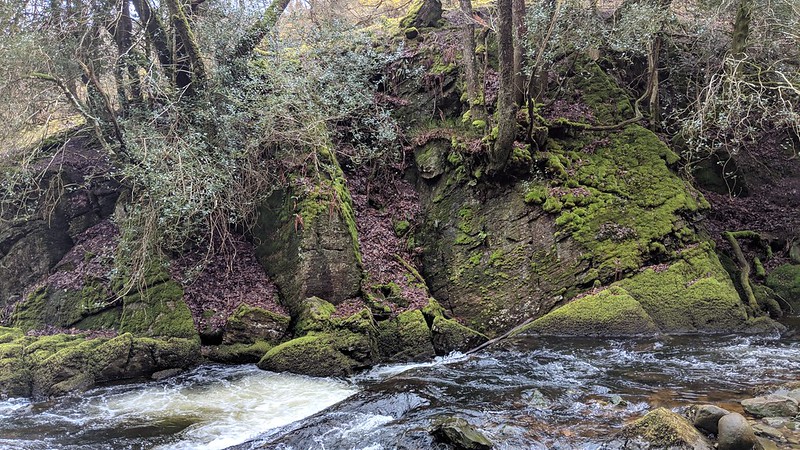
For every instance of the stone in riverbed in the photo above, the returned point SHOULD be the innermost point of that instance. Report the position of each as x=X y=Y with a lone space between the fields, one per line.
x=460 y=434
x=662 y=428
x=735 y=433
x=771 y=406
x=705 y=417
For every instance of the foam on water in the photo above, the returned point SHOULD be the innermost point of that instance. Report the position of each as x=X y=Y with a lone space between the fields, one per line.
x=216 y=406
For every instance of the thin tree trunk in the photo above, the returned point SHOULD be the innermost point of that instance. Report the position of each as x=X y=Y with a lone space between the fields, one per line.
x=506 y=107
x=474 y=90
x=157 y=34
x=518 y=20
x=191 y=69
x=261 y=28
x=741 y=29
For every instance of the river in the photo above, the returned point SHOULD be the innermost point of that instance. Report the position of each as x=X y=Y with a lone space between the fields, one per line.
x=523 y=393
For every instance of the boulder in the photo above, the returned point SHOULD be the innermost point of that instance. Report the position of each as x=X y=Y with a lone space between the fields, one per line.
x=405 y=337
x=705 y=417
x=332 y=354
x=735 y=433
x=460 y=434
x=771 y=406
x=611 y=312
x=662 y=428
x=451 y=336
x=249 y=324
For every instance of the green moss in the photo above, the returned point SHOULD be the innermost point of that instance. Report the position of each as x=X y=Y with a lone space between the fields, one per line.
x=314 y=354
x=238 y=353
x=315 y=316
x=662 y=428
x=611 y=312
x=622 y=202
x=693 y=294
x=536 y=194
x=450 y=336
x=785 y=281
x=158 y=311
x=8 y=334
x=608 y=101
x=249 y=324
x=401 y=227
x=405 y=337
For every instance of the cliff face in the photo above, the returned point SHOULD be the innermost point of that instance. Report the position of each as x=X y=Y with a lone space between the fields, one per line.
x=592 y=234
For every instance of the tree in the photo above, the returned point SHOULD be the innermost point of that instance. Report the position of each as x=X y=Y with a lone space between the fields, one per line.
x=506 y=105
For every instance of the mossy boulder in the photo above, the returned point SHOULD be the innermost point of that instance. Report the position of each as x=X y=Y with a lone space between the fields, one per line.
x=611 y=312
x=54 y=365
x=694 y=294
x=158 y=311
x=250 y=324
x=458 y=433
x=451 y=336
x=307 y=239
x=339 y=353
x=785 y=281
x=237 y=353
x=405 y=338
x=664 y=429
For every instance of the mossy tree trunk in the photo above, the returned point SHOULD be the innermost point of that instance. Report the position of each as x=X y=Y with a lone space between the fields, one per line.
x=506 y=106
x=518 y=20
x=741 y=28
x=474 y=90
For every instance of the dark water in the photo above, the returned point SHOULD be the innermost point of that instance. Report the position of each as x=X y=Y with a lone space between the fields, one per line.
x=525 y=393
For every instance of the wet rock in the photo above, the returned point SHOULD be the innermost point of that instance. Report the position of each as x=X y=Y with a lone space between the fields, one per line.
x=766 y=444
x=768 y=432
x=164 y=374
x=775 y=422
x=662 y=428
x=771 y=406
x=705 y=417
x=460 y=434
x=339 y=353
x=735 y=433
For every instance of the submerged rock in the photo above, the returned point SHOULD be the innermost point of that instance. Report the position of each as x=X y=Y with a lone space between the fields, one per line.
x=735 y=433
x=460 y=434
x=662 y=428
x=705 y=417
x=771 y=406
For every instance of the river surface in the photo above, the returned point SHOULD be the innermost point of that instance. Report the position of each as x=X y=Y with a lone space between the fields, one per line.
x=522 y=393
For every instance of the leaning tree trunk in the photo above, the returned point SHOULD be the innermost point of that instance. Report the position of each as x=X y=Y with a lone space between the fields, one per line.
x=506 y=107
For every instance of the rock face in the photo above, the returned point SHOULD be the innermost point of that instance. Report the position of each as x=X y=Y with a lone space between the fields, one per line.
x=785 y=281
x=705 y=417
x=460 y=434
x=735 y=433
x=306 y=239
x=423 y=14
x=662 y=428
x=771 y=406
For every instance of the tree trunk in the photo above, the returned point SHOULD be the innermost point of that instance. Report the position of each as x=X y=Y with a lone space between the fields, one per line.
x=474 y=90
x=741 y=29
x=260 y=29
x=190 y=67
x=506 y=107
x=518 y=19
x=157 y=35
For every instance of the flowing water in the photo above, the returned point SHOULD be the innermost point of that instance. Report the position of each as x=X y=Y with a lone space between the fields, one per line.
x=523 y=393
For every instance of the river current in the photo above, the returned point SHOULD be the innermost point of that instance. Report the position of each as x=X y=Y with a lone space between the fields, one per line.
x=522 y=393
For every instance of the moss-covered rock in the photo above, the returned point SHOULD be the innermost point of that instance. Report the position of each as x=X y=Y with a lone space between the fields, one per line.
x=250 y=324
x=319 y=354
x=315 y=314
x=451 y=336
x=86 y=308
x=238 y=353
x=48 y=366
x=785 y=281
x=611 y=312
x=694 y=294
x=158 y=311
x=664 y=429
x=307 y=239
x=423 y=14
x=405 y=338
